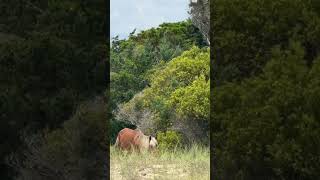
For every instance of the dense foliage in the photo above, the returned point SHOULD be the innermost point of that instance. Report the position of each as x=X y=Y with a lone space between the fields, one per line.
x=169 y=140
x=51 y=59
x=134 y=60
x=178 y=97
x=267 y=126
x=76 y=151
x=245 y=31
x=264 y=102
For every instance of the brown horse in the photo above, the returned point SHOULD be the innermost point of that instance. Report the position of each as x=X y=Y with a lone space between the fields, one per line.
x=129 y=139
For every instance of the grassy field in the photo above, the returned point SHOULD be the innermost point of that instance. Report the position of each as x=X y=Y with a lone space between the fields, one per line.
x=187 y=164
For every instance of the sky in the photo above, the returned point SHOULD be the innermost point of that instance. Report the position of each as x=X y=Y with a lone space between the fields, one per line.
x=126 y=15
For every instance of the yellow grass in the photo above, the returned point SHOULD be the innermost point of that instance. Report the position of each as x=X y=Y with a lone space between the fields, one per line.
x=186 y=164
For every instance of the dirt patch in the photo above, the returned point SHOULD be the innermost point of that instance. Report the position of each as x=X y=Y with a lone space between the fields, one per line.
x=115 y=172
x=153 y=172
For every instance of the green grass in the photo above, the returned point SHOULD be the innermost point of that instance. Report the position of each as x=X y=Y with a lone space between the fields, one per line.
x=191 y=163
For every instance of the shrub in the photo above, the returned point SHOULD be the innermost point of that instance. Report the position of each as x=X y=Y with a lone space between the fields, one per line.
x=75 y=151
x=267 y=127
x=169 y=101
x=132 y=113
x=168 y=140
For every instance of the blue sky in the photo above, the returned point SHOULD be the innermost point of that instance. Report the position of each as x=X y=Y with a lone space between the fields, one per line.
x=126 y=15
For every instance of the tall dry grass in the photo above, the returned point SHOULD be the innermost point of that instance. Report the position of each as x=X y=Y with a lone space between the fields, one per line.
x=187 y=163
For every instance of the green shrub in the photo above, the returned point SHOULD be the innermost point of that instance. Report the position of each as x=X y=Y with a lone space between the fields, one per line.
x=77 y=150
x=169 y=140
x=267 y=127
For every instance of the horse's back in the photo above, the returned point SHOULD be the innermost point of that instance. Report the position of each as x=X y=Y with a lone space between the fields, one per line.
x=126 y=138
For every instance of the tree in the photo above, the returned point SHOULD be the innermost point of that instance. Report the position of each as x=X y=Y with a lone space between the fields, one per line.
x=131 y=59
x=246 y=30
x=52 y=61
x=200 y=16
x=169 y=102
x=135 y=58
x=266 y=127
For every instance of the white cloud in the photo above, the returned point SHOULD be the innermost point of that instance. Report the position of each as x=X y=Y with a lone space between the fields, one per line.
x=142 y=14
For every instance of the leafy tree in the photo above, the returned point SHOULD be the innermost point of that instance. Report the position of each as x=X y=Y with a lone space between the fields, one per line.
x=193 y=100
x=131 y=59
x=263 y=106
x=135 y=58
x=267 y=127
x=246 y=30
x=174 y=89
x=52 y=58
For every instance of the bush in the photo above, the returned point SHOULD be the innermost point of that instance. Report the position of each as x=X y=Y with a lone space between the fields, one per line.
x=131 y=113
x=169 y=140
x=77 y=151
x=267 y=127
x=246 y=30
x=178 y=95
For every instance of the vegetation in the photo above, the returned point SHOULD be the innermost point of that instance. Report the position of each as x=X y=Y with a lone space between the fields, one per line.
x=169 y=102
x=245 y=32
x=200 y=16
x=132 y=59
x=270 y=120
x=51 y=60
x=266 y=76
x=146 y=65
x=191 y=163
x=157 y=76
x=169 y=140
x=75 y=151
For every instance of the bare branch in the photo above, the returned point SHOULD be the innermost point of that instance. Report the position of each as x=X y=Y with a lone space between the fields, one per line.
x=34 y=6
